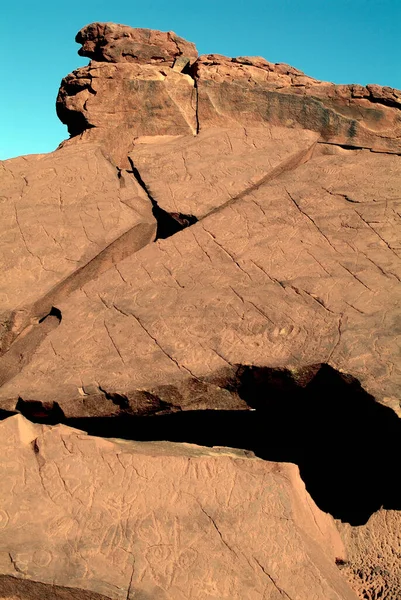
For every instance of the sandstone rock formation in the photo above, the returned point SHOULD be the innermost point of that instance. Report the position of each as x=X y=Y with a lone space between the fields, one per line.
x=148 y=83
x=348 y=115
x=131 y=520
x=269 y=303
x=64 y=215
x=373 y=565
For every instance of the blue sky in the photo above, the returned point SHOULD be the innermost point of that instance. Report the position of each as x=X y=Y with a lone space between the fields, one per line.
x=345 y=41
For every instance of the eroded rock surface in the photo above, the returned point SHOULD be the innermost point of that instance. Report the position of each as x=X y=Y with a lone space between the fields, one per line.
x=66 y=217
x=249 y=90
x=275 y=201
x=135 y=85
x=158 y=520
x=143 y=83
x=197 y=175
x=118 y=43
x=373 y=565
x=304 y=269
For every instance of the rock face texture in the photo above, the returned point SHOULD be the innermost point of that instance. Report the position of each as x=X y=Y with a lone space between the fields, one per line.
x=248 y=90
x=131 y=520
x=134 y=85
x=66 y=217
x=373 y=565
x=118 y=43
x=270 y=296
x=149 y=83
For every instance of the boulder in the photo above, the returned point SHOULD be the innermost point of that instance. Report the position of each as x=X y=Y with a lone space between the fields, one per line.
x=114 y=43
x=127 y=520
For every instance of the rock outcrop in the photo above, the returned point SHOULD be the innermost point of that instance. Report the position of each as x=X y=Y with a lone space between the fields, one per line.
x=268 y=310
x=132 y=520
x=248 y=90
x=118 y=43
x=142 y=83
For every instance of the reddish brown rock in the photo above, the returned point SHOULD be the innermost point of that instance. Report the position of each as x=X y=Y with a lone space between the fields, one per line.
x=66 y=217
x=373 y=565
x=282 y=297
x=251 y=90
x=124 y=101
x=134 y=86
x=197 y=175
x=303 y=269
x=119 y=43
x=153 y=96
x=129 y=520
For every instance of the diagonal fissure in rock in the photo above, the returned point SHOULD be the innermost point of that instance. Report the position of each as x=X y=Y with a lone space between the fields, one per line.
x=131 y=241
x=22 y=340
x=168 y=224
x=355 y=147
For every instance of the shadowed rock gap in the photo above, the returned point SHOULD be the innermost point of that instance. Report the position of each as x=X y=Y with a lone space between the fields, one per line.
x=168 y=224
x=54 y=312
x=345 y=443
x=354 y=147
x=190 y=70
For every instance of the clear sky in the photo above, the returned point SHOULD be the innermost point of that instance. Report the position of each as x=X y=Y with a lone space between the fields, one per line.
x=345 y=41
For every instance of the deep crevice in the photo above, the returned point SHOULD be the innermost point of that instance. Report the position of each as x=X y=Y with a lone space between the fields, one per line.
x=191 y=70
x=354 y=147
x=54 y=312
x=168 y=224
x=196 y=105
x=345 y=443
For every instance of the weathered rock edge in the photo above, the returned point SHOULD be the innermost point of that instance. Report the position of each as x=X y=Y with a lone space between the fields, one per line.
x=124 y=520
x=212 y=90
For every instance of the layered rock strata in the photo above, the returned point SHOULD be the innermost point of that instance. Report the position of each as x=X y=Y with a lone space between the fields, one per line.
x=141 y=82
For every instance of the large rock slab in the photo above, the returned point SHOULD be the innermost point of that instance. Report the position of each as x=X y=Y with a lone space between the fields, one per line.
x=196 y=175
x=157 y=520
x=65 y=216
x=302 y=270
